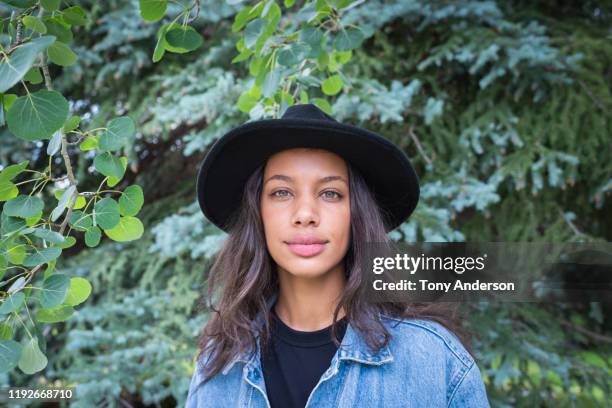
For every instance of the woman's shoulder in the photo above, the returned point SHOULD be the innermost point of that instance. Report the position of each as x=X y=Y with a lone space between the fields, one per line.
x=427 y=346
x=429 y=335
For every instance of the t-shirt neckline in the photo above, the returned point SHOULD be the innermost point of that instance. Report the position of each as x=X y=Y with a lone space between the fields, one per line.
x=305 y=338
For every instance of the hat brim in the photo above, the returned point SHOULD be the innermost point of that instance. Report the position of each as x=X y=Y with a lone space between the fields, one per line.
x=233 y=158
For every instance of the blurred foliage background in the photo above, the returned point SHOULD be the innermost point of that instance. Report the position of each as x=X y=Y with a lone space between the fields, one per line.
x=504 y=108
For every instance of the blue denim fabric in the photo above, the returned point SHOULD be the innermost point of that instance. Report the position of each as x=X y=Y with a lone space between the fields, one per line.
x=424 y=365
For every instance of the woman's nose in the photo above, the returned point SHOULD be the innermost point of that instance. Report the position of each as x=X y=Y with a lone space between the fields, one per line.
x=305 y=212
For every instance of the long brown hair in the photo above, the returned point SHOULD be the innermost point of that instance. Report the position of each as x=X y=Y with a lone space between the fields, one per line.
x=244 y=276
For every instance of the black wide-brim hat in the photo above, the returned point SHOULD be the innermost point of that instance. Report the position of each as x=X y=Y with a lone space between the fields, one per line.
x=234 y=157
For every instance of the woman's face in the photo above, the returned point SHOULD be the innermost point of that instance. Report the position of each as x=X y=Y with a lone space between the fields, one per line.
x=306 y=210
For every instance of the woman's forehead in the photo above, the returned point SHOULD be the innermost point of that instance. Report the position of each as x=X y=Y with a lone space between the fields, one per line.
x=306 y=159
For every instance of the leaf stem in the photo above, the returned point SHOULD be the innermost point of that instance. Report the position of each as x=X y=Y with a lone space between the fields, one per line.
x=28 y=181
x=24 y=325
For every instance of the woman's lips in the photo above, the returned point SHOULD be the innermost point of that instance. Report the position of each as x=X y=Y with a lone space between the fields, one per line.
x=306 y=249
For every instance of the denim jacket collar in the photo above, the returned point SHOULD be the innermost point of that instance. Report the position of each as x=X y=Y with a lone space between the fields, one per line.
x=352 y=347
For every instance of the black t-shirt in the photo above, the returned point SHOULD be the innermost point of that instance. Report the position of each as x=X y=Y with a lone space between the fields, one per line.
x=295 y=360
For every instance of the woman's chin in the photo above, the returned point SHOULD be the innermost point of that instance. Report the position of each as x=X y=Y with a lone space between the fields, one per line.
x=307 y=269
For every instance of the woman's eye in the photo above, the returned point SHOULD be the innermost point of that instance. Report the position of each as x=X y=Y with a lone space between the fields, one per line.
x=327 y=194
x=331 y=194
x=276 y=193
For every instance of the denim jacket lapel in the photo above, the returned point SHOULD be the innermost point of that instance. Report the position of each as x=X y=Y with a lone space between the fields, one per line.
x=352 y=347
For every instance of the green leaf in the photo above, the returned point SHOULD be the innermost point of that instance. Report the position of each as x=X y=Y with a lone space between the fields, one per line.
x=37 y=115
x=252 y=32
x=80 y=202
x=23 y=206
x=92 y=236
x=117 y=133
x=241 y=18
x=54 y=290
x=68 y=242
x=323 y=105
x=57 y=27
x=20 y=3
x=271 y=13
x=10 y=351
x=8 y=190
x=113 y=181
x=34 y=24
x=248 y=99
x=17 y=285
x=593 y=359
x=286 y=100
x=256 y=65
x=183 y=39
x=6 y=332
x=159 y=50
x=12 y=303
x=109 y=165
x=245 y=54
x=303 y=96
x=128 y=229
x=10 y=172
x=131 y=200
x=3 y=267
x=55 y=143
x=80 y=221
x=75 y=15
x=33 y=219
x=61 y=54
x=42 y=256
x=79 y=291
x=42 y=342
x=271 y=82
x=344 y=56
x=152 y=10
x=332 y=64
x=106 y=212
x=33 y=76
x=348 y=39
x=48 y=235
x=332 y=85
x=20 y=61
x=90 y=143
x=11 y=225
x=294 y=54
x=66 y=197
x=49 y=269
x=50 y=5
x=16 y=254
x=7 y=100
x=72 y=123
x=55 y=315
x=312 y=36
x=32 y=359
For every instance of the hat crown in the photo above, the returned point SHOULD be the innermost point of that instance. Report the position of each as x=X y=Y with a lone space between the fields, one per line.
x=307 y=111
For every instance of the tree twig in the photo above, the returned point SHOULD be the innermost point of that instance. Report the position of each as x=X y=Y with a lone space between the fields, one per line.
x=595 y=336
x=68 y=164
x=125 y=403
x=45 y=70
x=18 y=31
x=571 y=224
x=593 y=98
x=415 y=139
x=196 y=6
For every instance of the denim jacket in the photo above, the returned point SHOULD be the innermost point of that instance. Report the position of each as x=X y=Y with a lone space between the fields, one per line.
x=424 y=365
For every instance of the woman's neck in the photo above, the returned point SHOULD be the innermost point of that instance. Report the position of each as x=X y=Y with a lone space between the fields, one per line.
x=308 y=304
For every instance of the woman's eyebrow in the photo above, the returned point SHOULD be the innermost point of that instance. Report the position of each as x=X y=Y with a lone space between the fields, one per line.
x=288 y=179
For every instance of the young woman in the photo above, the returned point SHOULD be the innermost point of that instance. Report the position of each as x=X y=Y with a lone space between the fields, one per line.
x=301 y=197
